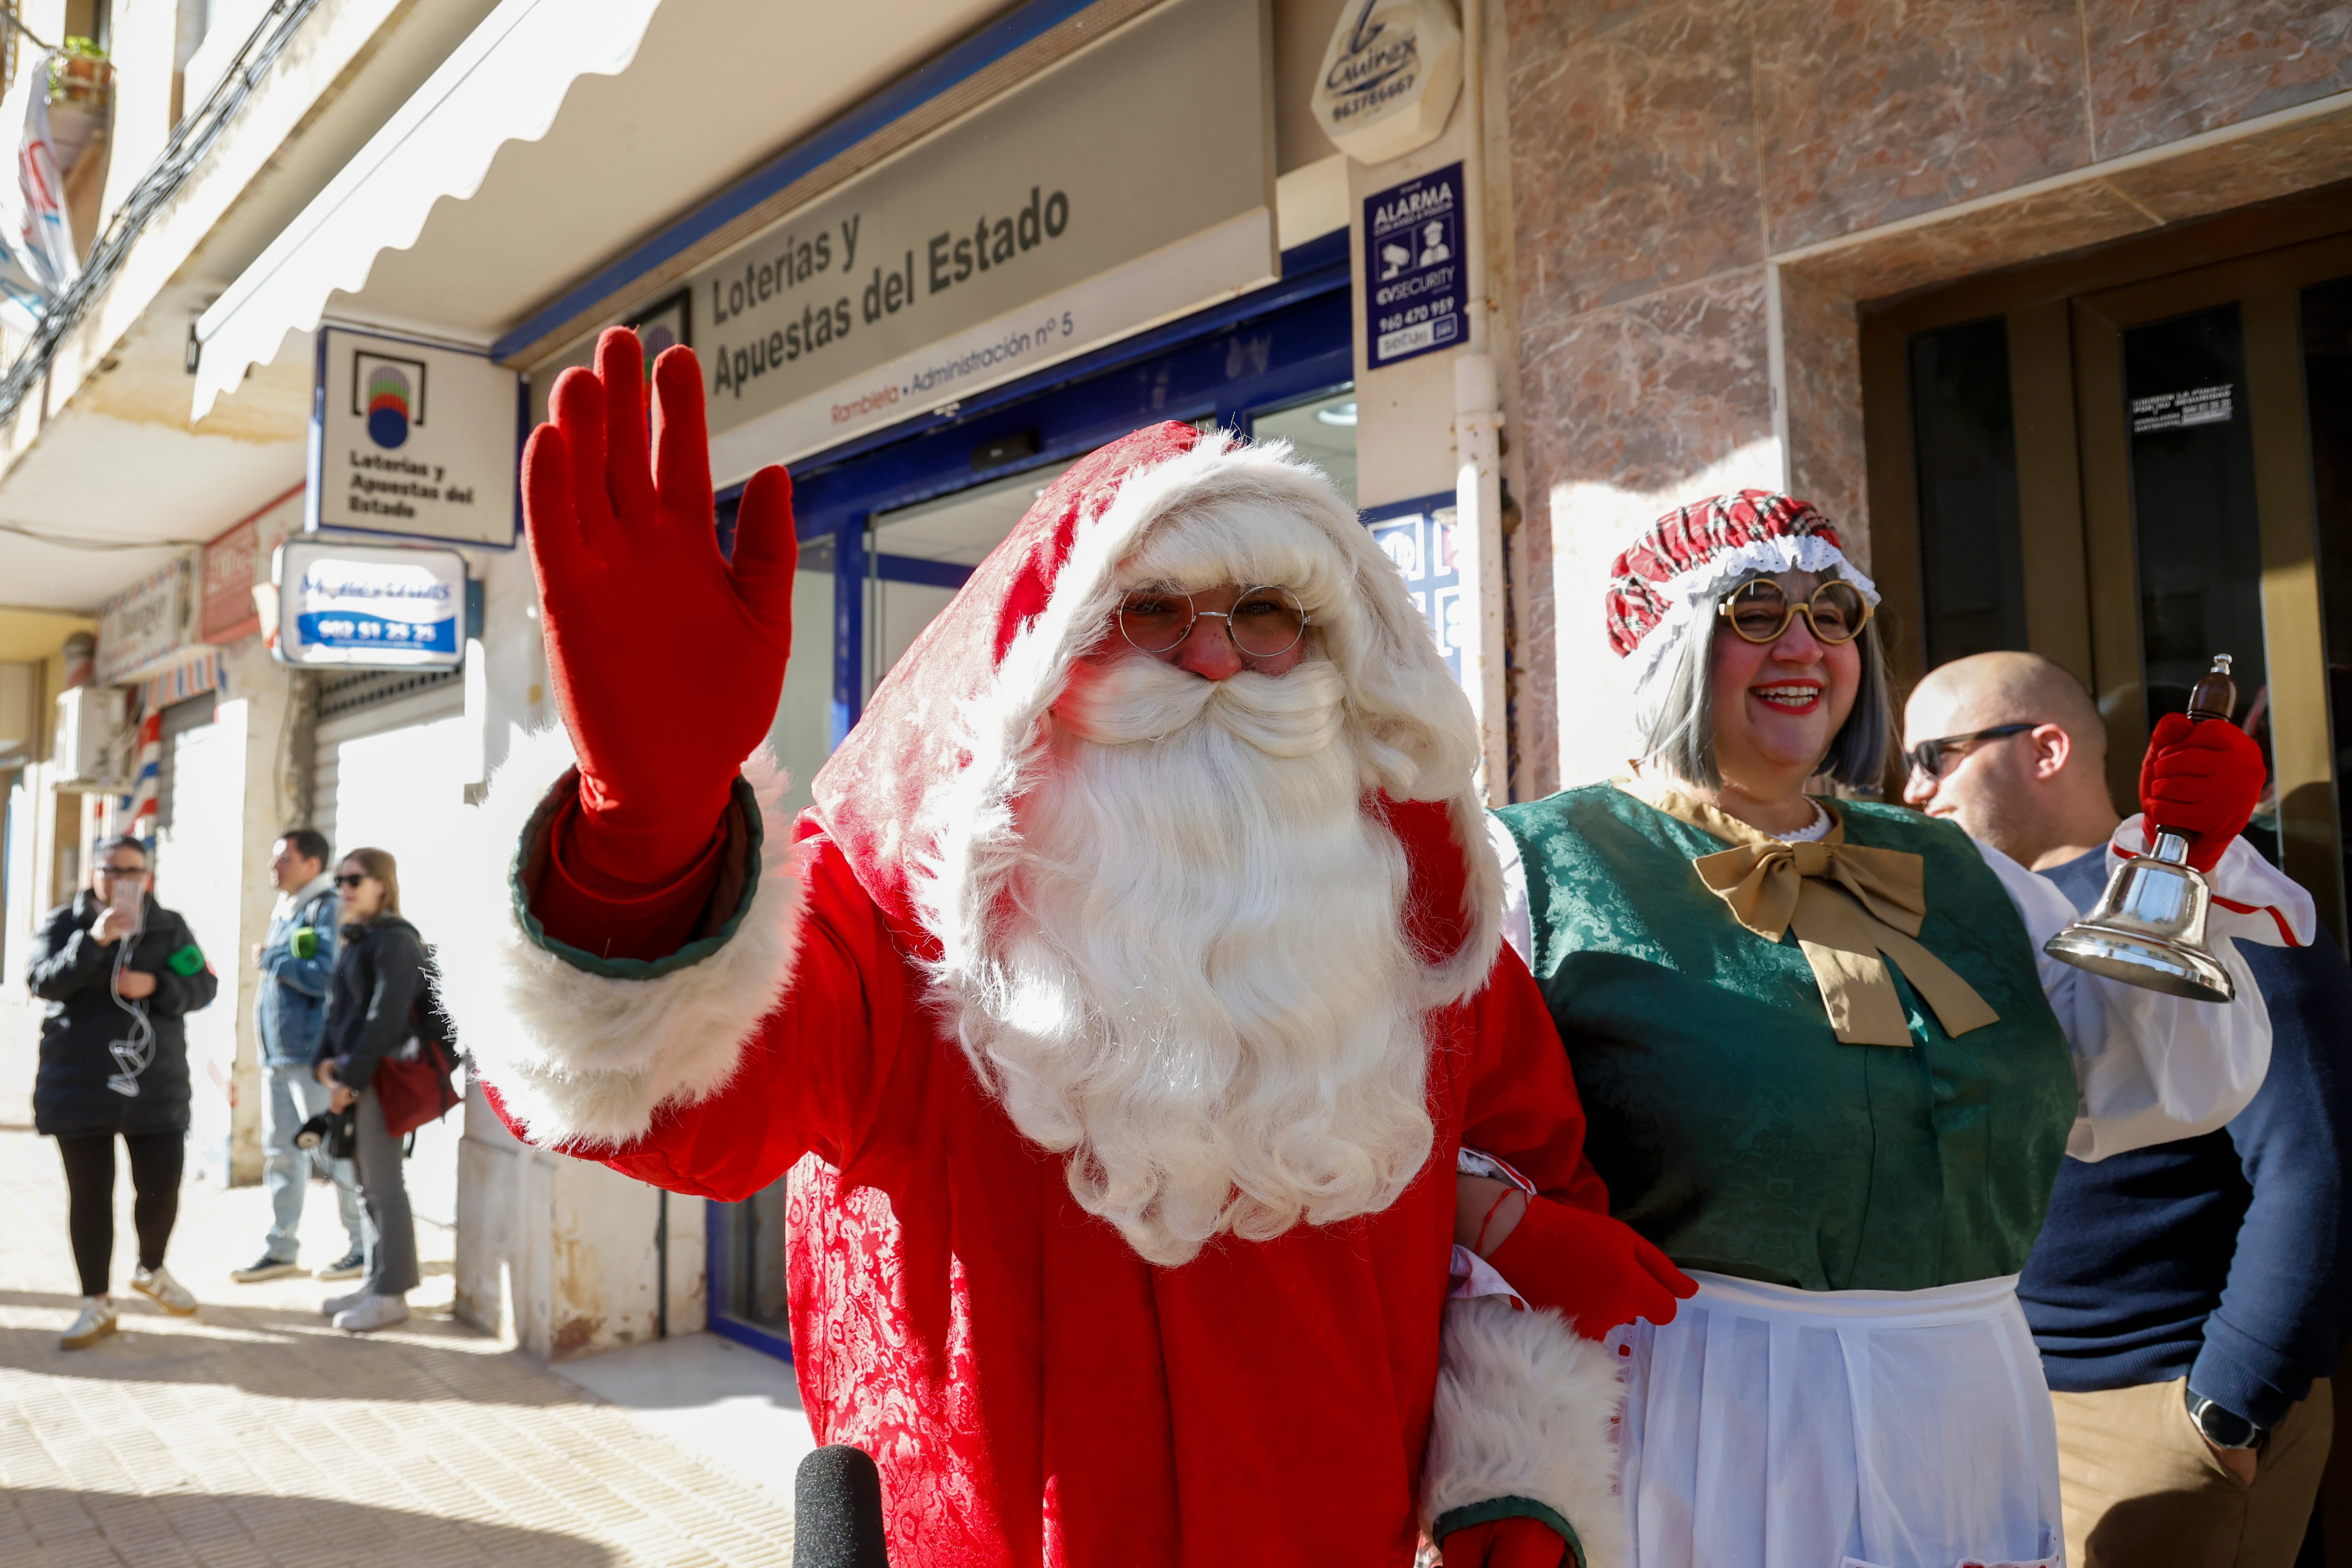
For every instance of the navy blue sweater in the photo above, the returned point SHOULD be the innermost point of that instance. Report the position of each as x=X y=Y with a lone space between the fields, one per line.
x=2221 y=1257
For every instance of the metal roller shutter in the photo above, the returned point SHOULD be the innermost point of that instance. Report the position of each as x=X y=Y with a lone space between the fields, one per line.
x=390 y=773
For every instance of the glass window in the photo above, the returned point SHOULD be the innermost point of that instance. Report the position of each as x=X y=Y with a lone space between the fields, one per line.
x=954 y=531
x=1964 y=448
x=752 y=1268
x=802 y=737
x=1323 y=431
x=2195 y=531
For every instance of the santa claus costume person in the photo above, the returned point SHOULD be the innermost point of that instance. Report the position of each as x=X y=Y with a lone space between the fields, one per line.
x=1118 y=1009
x=1831 y=1071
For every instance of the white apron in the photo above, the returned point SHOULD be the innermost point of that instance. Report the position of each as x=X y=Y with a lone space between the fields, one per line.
x=1768 y=1427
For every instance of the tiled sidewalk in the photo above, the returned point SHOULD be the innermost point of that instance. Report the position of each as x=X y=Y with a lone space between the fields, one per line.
x=253 y=1434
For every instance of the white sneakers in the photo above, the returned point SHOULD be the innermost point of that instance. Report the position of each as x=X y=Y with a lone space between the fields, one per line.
x=344 y=1302
x=98 y=1317
x=371 y=1313
x=97 y=1321
x=357 y=1313
x=158 y=1286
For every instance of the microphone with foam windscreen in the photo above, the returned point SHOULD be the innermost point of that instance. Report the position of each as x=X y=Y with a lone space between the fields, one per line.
x=838 y=1510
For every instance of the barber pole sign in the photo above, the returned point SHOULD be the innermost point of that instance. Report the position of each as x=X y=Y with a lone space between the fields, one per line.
x=149 y=778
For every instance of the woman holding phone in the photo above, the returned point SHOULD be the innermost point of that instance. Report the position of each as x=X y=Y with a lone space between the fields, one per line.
x=119 y=973
x=371 y=1013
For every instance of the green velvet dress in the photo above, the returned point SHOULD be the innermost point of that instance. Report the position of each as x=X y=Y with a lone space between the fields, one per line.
x=1732 y=1127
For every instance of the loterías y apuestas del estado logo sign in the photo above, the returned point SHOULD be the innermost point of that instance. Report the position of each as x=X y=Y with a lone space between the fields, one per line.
x=1389 y=77
x=388 y=392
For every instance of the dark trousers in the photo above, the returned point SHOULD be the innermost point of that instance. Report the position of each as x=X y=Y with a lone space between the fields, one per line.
x=155 y=1162
x=384 y=1188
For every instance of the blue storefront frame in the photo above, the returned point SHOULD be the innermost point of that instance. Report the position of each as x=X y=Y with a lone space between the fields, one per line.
x=1262 y=351
x=1259 y=350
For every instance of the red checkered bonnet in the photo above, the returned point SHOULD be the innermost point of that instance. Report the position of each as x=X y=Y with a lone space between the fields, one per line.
x=1694 y=554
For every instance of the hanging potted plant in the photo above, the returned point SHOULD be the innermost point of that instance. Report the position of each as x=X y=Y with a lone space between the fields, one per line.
x=81 y=88
x=80 y=76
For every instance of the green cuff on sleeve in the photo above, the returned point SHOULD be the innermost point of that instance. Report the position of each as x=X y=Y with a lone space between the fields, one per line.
x=1496 y=1507
x=739 y=874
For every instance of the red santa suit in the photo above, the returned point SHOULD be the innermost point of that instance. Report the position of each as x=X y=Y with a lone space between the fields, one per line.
x=1032 y=1388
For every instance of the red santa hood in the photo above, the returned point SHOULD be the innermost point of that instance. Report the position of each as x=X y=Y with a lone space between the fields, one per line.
x=919 y=797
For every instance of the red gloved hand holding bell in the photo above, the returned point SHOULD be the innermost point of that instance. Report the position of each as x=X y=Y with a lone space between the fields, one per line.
x=1595 y=1270
x=2202 y=781
x=1507 y=1544
x=666 y=661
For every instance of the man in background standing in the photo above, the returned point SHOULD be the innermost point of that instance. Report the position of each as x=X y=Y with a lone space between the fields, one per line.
x=2188 y=1299
x=298 y=967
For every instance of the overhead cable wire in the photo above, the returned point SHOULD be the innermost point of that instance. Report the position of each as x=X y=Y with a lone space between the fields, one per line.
x=192 y=140
x=67 y=542
x=8 y=14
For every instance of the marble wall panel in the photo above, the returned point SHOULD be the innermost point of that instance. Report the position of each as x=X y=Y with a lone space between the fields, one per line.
x=1623 y=411
x=1633 y=167
x=2307 y=152
x=1535 y=686
x=1820 y=384
x=2062 y=218
x=1868 y=112
x=2163 y=70
x=1641 y=396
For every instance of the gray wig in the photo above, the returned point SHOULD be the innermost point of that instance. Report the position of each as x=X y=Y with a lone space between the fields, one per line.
x=1677 y=717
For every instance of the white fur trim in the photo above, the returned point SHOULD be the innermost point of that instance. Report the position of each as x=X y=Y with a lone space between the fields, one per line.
x=580 y=1058
x=1397 y=685
x=1692 y=593
x=1524 y=1408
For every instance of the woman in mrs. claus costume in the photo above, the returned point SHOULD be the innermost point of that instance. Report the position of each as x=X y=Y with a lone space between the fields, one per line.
x=1829 y=1071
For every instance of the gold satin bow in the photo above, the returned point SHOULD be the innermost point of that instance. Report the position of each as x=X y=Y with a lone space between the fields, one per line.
x=1853 y=907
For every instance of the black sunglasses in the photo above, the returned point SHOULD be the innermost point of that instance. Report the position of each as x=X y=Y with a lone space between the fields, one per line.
x=1932 y=757
x=350 y=879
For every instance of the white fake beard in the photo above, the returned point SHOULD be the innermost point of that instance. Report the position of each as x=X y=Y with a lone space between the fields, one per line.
x=1204 y=996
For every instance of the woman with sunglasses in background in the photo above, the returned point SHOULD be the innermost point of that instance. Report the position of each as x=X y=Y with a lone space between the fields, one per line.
x=380 y=977
x=1829 y=1072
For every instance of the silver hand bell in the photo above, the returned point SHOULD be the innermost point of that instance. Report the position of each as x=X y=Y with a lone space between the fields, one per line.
x=2148 y=928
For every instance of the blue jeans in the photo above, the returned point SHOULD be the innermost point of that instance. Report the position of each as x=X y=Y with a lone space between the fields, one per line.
x=291 y=1096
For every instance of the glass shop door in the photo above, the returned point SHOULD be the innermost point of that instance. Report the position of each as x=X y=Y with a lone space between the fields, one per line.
x=2129 y=480
x=2129 y=459
x=2216 y=437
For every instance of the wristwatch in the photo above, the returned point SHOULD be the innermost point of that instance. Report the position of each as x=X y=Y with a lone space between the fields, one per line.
x=2222 y=1428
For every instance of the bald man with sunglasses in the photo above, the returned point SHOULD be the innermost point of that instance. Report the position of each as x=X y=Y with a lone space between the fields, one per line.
x=2188 y=1299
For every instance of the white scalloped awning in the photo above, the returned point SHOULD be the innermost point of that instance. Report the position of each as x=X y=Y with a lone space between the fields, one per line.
x=505 y=83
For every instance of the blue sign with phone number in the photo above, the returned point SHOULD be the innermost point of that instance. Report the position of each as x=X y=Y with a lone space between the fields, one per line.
x=1416 y=285
x=348 y=628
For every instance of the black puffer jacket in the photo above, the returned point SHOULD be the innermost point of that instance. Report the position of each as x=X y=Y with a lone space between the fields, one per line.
x=378 y=977
x=75 y=975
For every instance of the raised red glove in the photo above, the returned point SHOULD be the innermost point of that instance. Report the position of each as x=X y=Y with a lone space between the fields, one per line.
x=1506 y=1543
x=1593 y=1269
x=2201 y=781
x=666 y=661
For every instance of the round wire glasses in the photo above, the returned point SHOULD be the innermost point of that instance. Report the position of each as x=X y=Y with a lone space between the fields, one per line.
x=1265 y=620
x=1760 y=611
